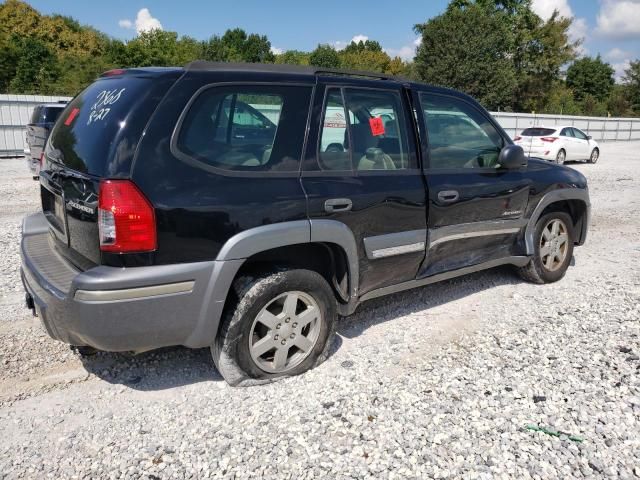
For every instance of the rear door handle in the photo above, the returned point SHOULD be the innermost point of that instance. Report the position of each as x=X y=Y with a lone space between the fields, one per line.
x=337 y=205
x=448 y=196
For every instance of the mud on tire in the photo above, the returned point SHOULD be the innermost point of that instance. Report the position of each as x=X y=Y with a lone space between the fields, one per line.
x=231 y=352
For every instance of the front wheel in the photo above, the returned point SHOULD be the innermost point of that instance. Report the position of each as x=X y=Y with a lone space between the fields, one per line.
x=281 y=326
x=595 y=154
x=553 y=239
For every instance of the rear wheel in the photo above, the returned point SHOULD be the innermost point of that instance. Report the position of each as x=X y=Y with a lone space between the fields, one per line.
x=553 y=239
x=281 y=326
x=595 y=154
x=561 y=157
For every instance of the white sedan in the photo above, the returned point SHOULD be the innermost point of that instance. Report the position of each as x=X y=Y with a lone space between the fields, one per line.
x=558 y=144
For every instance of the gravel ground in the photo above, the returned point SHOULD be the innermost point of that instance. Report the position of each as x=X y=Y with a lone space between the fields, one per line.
x=439 y=382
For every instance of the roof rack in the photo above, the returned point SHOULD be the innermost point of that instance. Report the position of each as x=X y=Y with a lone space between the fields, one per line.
x=201 y=65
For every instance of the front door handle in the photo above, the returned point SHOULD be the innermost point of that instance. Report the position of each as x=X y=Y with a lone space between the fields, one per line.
x=448 y=196
x=337 y=205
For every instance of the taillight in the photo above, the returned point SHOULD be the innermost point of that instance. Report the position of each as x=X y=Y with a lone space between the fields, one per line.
x=548 y=139
x=126 y=219
x=41 y=158
x=517 y=138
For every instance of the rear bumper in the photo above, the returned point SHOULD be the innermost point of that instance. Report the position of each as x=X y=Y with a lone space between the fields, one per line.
x=120 y=309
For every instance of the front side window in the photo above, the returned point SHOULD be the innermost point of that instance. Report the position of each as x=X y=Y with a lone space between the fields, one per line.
x=252 y=128
x=459 y=135
x=364 y=130
x=578 y=134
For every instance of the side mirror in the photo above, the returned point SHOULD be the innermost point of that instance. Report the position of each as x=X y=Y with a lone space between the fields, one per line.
x=512 y=157
x=589 y=137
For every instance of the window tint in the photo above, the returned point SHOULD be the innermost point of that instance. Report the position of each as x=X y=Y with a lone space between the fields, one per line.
x=333 y=153
x=369 y=134
x=91 y=136
x=566 y=132
x=538 y=132
x=459 y=135
x=578 y=134
x=252 y=128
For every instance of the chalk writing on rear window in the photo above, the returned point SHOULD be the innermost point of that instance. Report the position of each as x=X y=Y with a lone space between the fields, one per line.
x=101 y=108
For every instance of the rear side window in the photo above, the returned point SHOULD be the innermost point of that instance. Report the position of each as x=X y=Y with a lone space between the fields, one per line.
x=43 y=114
x=247 y=128
x=364 y=129
x=52 y=114
x=36 y=115
x=538 y=132
x=99 y=130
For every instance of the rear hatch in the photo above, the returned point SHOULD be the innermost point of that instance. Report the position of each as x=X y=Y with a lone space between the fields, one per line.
x=531 y=139
x=95 y=139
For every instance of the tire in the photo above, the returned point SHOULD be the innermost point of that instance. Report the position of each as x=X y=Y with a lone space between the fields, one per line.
x=235 y=350
x=595 y=154
x=561 y=157
x=537 y=271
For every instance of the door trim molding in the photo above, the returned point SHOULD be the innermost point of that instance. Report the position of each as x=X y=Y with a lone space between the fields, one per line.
x=399 y=243
x=475 y=229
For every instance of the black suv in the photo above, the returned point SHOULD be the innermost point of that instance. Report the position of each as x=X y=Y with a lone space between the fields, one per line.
x=244 y=207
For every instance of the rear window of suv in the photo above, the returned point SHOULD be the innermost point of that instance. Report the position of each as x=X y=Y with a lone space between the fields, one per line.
x=100 y=128
x=44 y=114
x=537 y=132
x=248 y=128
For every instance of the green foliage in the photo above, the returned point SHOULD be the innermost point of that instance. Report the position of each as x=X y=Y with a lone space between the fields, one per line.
x=499 y=51
x=293 y=57
x=468 y=49
x=35 y=67
x=236 y=46
x=590 y=77
x=324 y=56
x=631 y=81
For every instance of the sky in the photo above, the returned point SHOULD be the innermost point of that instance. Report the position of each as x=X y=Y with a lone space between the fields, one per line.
x=610 y=28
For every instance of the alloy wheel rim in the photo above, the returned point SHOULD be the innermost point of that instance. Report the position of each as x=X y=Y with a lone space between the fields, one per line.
x=285 y=332
x=561 y=156
x=594 y=156
x=554 y=244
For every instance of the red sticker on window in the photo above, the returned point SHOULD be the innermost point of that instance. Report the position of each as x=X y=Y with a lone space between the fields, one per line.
x=72 y=115
x=377 y=126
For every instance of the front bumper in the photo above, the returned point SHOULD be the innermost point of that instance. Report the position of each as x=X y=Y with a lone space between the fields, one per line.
x=121 y=309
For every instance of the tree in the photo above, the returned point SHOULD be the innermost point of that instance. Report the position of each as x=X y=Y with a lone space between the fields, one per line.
x=366 y=46
x=618 y=104
x=631 y=81
x=325 y=56
x=293 y=57
x=236 y=46
x=590 y=76
x=35 y=67
x=468 y=49
x=502 y=36
x=9 y=56
x=560 y=101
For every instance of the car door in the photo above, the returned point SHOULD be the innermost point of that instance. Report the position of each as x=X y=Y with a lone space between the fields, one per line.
x=476 y=209
x=568 y=143
x=361 y=170
x=582 y=144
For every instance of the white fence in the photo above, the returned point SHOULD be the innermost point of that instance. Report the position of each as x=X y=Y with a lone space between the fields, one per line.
x=602 y=129
x=15 y=113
